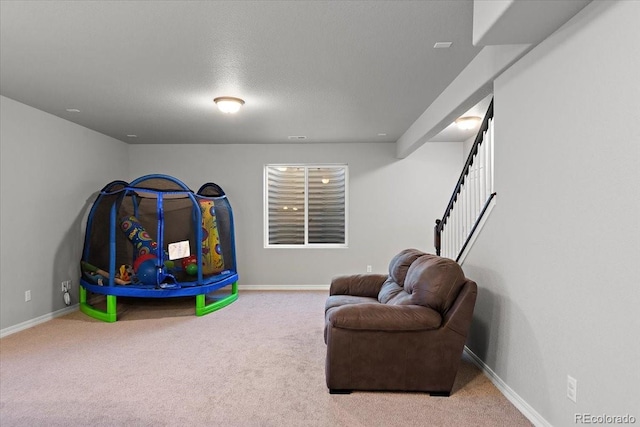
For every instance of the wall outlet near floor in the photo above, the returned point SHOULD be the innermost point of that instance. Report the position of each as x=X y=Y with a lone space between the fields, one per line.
x=368 y=269
x=66 y=286
x=27 y=296
x=572 y=388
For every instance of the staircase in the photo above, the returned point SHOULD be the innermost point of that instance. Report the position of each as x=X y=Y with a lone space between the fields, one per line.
x=472 y=198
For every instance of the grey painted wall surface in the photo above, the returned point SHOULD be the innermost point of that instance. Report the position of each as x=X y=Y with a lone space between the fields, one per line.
x=557 y=263
x=50 y=170
x=392 y=203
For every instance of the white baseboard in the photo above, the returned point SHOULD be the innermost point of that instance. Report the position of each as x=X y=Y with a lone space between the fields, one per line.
x=33 y=322
x=513 y=397
x=283 y=287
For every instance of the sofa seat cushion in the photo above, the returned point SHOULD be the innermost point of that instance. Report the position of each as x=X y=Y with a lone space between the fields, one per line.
x=340 y=300
x=383 y=317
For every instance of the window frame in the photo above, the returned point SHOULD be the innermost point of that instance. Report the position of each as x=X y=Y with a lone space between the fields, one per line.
x=306 y=244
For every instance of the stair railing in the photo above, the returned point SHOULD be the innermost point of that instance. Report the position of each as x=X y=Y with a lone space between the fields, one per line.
x=471 y=198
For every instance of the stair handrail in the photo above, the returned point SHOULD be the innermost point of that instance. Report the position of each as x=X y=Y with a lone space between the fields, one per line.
x=440 y=223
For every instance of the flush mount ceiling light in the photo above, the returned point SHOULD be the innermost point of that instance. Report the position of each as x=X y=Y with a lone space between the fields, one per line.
x=468 y=122
x=228 y=104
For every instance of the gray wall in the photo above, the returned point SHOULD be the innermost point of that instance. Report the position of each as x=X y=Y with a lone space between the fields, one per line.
x=466 y=148
x=558 y=261
x=392 y=205
x=50 y=167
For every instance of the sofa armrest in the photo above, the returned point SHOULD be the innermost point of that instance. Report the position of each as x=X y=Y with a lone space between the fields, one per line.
x=383 y=317
x=360 y=285
x=460 y=315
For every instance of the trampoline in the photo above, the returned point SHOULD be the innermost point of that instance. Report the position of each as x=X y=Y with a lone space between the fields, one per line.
x=155 y=238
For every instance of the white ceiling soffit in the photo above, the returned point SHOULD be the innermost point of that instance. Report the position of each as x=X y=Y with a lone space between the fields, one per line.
x=331 y=71
x=469 y=88
x=509 y=29
x=520 y=22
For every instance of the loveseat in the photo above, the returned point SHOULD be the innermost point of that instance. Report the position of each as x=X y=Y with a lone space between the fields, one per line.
x=404 y=331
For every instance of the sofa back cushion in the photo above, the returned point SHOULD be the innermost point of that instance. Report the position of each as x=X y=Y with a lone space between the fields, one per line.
x=400 y=264
x=392 y=291
x=434 y=282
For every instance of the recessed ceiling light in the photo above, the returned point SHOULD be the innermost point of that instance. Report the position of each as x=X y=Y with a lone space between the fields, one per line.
x=297 y=137
x=442 y=45
x=228 y=104
x=132 y=136
x=73 y=110
x=468 y=122
x=382 y=134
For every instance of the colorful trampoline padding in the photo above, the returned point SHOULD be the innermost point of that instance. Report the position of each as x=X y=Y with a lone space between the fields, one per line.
x=212 y=261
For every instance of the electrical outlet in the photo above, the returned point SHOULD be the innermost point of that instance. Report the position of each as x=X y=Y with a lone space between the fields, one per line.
x=27 y=296
x=66 y=286
x=572 y=388
x=368 y=269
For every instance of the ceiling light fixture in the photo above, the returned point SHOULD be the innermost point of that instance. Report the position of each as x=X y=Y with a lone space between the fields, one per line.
x=228 y=104
x=468 y=122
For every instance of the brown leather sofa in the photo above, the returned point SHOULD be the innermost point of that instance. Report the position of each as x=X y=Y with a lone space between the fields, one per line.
x=403 y=332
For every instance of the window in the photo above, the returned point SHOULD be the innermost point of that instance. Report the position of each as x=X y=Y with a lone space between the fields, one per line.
x=305 y=205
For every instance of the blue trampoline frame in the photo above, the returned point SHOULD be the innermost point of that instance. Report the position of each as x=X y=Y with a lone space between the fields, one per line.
x=198 y=288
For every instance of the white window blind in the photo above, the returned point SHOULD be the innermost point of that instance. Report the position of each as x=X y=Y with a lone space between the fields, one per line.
x=306 y=205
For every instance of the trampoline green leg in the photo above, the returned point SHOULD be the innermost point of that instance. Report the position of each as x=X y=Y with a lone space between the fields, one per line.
x=203 y=308
x=89 y=310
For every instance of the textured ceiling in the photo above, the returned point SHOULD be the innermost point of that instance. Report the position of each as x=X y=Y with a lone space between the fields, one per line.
x=333 y=71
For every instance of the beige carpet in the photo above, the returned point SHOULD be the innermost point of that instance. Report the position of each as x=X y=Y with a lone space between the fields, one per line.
x=257 y=362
